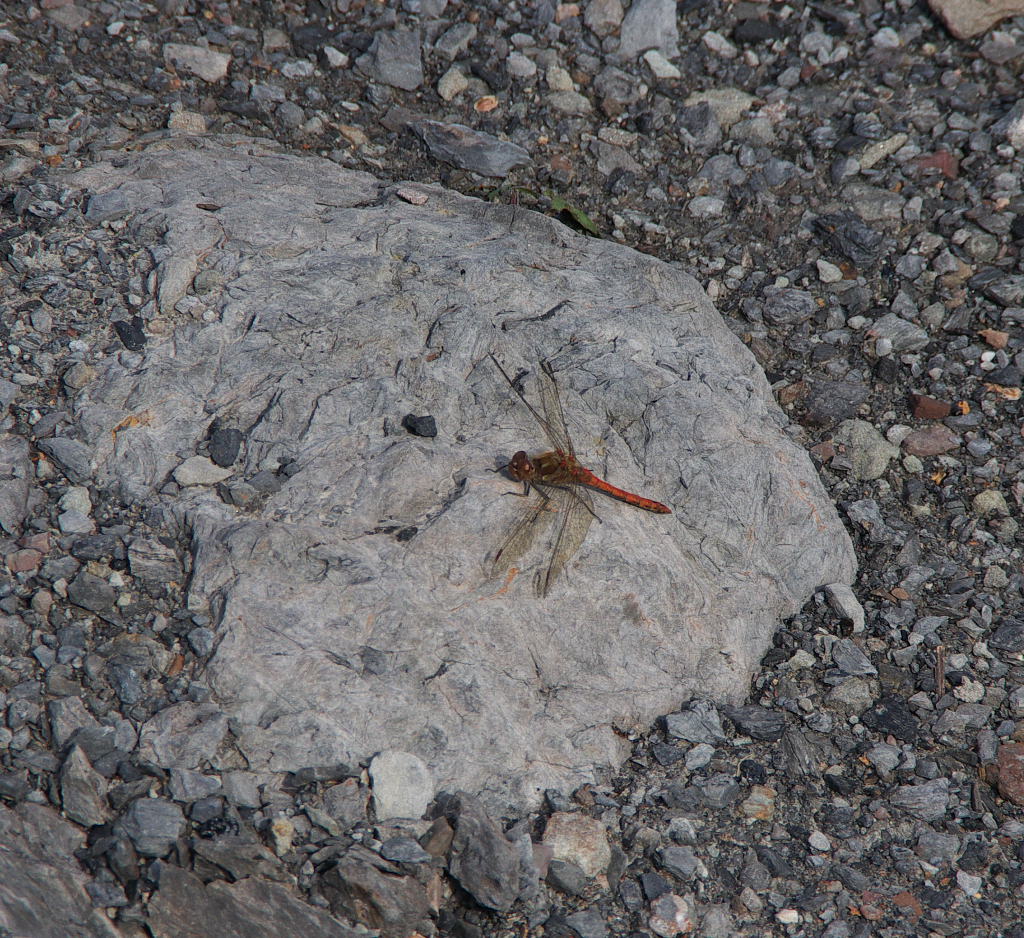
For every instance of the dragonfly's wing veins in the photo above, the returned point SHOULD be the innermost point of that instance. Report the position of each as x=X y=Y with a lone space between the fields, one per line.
x=552 y=404
x=575 y=522
x=529 y=523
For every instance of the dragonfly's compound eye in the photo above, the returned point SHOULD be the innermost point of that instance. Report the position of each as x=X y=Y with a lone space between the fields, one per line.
x=520 y=467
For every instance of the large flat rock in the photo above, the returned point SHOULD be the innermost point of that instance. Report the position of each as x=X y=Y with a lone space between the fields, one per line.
x=355 y=608
x=42 y=886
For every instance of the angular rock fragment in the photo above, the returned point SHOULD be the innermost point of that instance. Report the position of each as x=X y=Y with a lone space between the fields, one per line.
x=396 y=905
x=83 y=791
x=482 y=860
x=182 y=907
x=153 y=825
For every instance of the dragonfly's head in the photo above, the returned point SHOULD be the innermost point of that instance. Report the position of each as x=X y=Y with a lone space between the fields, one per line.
x=520 y=467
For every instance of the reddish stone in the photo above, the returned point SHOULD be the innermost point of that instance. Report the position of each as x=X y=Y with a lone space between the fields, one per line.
x=39 y=542
x=931 y=442
x=824 y=451
x=1010 y=757
x=942 y=160
x=791 y=393
x=905 y=900
x=995 y=338
x=23 y=561
x=870 y=911
x=928 y=408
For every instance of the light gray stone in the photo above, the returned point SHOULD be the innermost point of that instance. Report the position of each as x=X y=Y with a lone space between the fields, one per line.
x=200 y=470
x=394 y=59
x=904 y=336
x=207 y=64
x=15 y=475
x=308 y=677
x=650 y=24
x=926 y=802
x=845 y=603
x=240 y=789
x=402 y=786
x=173 y=278
x=867 y=450
x=183 y=735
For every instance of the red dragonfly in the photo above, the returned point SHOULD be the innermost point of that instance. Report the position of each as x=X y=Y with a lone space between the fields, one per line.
x=562 y=485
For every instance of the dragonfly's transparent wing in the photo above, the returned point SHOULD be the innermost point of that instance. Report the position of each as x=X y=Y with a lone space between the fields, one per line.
x=531 y=521
x=575 y=521
x=552 y=404
x=554 y=426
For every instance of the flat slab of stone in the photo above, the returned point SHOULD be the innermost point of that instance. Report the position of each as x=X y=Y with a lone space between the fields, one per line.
x=42 y=886
x=355 y=610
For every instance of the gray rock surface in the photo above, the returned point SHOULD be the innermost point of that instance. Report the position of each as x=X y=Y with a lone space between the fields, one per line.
x=184 y=907
x=42 y=886
x=335 y=636
x=15 y=474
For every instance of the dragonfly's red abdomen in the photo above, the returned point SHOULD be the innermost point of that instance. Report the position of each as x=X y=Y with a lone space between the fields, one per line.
x=637 y=501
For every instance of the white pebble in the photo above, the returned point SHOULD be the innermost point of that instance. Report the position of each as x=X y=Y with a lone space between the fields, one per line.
x=717 y=43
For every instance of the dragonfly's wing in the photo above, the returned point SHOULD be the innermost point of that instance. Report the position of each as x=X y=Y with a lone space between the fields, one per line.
x=575 y=521
x=554 y=425
x=552 y=404
x=532 y=520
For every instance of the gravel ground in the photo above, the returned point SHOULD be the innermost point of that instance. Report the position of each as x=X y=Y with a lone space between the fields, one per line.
x=844 y=180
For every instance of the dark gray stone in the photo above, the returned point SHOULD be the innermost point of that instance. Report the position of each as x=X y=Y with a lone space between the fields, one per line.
x=152 y=825
x=566 y=877
x=71 y=455
x=394 y=59
x=42 y=884
x=92 y=593
x=589 y=923
x=850 y=659
x=106 y=895
x=83 y=791
x=757 y=722
x=403 y=850
x=397 y=905
x=784 y=306
x=482 y=860
x=225 y=444
x=700 y=723
x=183 y=907
x=471 y=149
x=189 y=786
x=681 y=862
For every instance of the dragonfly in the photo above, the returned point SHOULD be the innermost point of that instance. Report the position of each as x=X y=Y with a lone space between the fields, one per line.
x=563 y=488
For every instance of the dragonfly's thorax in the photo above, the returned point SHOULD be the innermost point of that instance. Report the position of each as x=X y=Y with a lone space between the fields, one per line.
x=552 y=468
